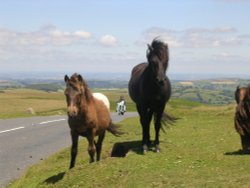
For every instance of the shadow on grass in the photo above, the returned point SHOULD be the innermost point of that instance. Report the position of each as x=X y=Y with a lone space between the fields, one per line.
x=239 y=152
x=54 y=179
x=120 y=149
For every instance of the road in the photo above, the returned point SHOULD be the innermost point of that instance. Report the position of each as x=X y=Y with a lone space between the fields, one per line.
x=25 y=141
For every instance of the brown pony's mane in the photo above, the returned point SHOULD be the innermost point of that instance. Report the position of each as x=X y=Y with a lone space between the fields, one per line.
x=242 y=116
x=242 y=98
x=77 y=82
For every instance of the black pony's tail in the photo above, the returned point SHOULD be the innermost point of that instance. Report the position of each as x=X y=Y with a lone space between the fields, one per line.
x=115 y=129
x=167 y=120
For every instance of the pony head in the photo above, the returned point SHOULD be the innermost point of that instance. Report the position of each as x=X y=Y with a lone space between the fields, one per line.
x=76 y=90
x=157 y=55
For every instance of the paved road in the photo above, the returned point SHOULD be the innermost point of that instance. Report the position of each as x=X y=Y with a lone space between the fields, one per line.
x=25 y=141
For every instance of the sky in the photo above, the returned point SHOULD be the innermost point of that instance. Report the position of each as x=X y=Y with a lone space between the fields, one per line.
x=204 y=36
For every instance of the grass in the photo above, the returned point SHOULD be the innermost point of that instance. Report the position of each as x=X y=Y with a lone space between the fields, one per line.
x=16 y=102
x=200 y=150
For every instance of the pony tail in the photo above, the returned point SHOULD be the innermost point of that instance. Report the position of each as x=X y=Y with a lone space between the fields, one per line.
x=114 y=129
x=167 y=120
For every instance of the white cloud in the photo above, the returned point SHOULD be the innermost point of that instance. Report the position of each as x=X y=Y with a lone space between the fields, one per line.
x=168 y=36
x=108 y=40
x=195 y=37
x=224 y=55
x=82 y=34
x=47 y=35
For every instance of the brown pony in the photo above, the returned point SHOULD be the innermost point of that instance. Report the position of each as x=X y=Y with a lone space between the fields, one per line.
x=242 y=116
x=87 y=116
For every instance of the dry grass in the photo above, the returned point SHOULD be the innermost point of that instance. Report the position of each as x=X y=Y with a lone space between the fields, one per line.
x=15 y=102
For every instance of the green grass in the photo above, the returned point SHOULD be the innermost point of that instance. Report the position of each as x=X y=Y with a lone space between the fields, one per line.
x=200 y=150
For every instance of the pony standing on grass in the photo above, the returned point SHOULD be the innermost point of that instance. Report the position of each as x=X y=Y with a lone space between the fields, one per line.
x=150 y=89
x=87 y=116
x=242 y=116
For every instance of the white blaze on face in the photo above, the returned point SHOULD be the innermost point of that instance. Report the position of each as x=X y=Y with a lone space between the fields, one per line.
x=102 y=98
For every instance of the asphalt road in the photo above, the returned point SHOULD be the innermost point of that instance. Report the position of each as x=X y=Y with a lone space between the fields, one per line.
x=25 y=141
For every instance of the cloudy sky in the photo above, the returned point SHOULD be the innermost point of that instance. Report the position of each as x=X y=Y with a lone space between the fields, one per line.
x=204 y=36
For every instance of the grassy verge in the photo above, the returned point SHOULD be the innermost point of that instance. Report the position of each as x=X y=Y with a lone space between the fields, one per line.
x=199 y=151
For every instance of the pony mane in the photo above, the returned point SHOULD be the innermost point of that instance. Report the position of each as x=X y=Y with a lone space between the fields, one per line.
x=160 y=49
x=77 y=82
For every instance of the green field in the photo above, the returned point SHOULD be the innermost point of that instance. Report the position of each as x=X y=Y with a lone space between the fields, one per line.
x=17 y=102
x=200 y=150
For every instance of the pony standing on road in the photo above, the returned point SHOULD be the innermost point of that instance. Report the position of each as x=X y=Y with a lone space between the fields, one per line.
x=87 y=116
x=150 y=89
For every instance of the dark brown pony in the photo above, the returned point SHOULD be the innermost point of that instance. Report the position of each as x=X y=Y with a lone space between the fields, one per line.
x=242 y=116
x=87 y=116
x=150 y=89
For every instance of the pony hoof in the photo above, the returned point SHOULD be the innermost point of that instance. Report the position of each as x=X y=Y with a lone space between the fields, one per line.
x=145 y=149
x=157 y=149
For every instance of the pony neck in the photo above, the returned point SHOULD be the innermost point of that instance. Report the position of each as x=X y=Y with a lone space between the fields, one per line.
x=85 y=102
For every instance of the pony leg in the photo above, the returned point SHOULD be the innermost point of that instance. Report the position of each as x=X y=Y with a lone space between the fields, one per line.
x=99 y=146
x=157 y=130
x=158 y=119
x=74 y=137
x=91 y=148
x=145 y=118
x=245 y=142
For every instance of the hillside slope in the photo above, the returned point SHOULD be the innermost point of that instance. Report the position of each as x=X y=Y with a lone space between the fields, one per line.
x=200 y=150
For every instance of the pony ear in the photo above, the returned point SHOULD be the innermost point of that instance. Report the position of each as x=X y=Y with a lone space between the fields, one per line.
x=80 y=78
x=150 y=48
x=66 y=78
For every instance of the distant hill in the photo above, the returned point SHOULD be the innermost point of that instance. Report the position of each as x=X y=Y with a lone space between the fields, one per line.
x=208 y=91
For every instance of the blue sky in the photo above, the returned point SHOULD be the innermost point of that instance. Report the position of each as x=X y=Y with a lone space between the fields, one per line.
x=204 y=36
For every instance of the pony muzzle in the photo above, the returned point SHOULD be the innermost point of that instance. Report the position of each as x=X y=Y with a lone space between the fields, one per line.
x=72 y=111
x=160 y=81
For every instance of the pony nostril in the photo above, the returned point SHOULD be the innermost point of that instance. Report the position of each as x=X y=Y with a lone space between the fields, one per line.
x=161 y=82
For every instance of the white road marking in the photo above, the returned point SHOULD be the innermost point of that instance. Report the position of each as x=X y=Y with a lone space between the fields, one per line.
x=11 y=130
x=56 y=120
x=44 y=122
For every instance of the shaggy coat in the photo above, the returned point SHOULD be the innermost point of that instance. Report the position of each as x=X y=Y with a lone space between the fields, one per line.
x=150 y=89
x=87 y=116
x=242 y=116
